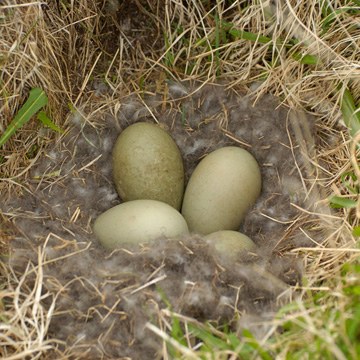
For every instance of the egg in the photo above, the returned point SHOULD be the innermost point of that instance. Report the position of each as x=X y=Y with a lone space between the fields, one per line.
x=147 y=164
x=223 y=186
x=138 y=221
x=230 y=243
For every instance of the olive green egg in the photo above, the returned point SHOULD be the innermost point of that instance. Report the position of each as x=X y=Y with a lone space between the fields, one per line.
x=147 y=164
x=230 y=243
x=223 y=186
x=138 y=221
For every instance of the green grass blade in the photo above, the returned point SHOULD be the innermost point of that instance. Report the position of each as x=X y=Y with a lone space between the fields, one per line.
x=307 y=59
x=183 y=114
x=356 y=231
x=35 y=102
x=339 y=202
x=47 y=122
x=72 y=109
x=353 y=177
x=7 y=15
x=209 y=340
x=250 y=36
x=324 y=6
x=250 y=339
x=350 y=113
x=260 y=38
x=27 y=34
x=234 y=341
x=217 y=44
x=169 y=58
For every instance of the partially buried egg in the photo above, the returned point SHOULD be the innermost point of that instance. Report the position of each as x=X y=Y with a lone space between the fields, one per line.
x=220 y=191
x=138 y=221
x=230 y=243
x=147 y=164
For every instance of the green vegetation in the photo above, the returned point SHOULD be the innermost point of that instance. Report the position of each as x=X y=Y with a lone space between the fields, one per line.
x=37 y=99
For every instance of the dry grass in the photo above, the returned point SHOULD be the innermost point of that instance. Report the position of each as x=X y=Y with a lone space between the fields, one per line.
x=65 y=48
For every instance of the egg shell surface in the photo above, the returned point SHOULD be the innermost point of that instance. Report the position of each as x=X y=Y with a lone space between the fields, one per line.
x=220 y=191
x=147 y=164
x=138 y=221
x=230 y=243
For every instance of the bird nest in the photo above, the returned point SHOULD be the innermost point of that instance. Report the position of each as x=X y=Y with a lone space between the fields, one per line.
x=64 y=295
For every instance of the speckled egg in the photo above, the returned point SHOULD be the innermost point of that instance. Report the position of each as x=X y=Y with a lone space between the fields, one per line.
x=222 y=188
x=138 y=221
x=147 y=164
x=230 y=243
